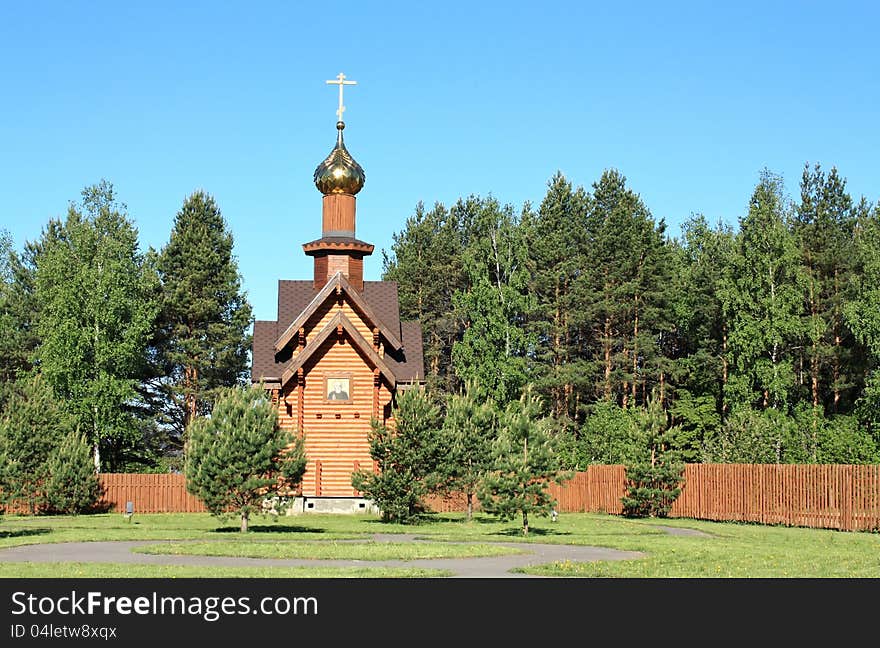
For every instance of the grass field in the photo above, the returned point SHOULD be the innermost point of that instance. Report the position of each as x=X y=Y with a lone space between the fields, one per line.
x=110 y=570
x=331 y=550
x=729 y=549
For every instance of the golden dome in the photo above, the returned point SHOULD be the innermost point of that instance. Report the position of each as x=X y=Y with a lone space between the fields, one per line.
x=339 y=173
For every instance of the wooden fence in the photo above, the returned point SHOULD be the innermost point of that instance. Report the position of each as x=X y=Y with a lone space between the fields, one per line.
x=822 y=496
x=150 y=493
x=597 y=490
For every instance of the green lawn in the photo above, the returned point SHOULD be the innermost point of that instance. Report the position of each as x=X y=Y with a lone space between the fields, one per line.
x=110 y=570
x=735 y=551
x=330 y=550
x=730 y=550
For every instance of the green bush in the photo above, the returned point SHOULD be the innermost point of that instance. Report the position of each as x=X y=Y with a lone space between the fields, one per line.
x=239 y=457
x=408 y=454
x=652 y=489
x=72 y=486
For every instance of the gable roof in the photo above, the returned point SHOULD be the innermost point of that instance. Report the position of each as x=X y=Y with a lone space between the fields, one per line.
x=338 y=281
x=406 y=363
x=357 y=339
x=295 y=294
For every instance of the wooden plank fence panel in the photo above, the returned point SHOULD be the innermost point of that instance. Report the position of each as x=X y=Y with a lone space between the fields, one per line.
x=150 y=493
x=845 y=497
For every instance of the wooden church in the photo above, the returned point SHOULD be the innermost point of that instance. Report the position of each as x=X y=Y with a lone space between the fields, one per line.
x=338 y=352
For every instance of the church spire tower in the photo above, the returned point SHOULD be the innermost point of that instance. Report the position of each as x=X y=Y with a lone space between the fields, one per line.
x=339 y=178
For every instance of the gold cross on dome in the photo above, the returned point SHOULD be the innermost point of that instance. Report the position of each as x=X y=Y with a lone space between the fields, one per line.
x=340 y=81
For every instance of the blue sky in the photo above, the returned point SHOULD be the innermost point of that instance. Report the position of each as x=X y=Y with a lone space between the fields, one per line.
x=688 y=100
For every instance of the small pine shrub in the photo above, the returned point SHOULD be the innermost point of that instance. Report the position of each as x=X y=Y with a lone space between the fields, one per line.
x=652 y=489
x=72 y=486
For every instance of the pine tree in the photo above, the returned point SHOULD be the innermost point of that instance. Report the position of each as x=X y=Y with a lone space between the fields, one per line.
x=93 y=290
x=469 y=428
x=557 y=256
x=823 y=226
x=203 y=338
x=72 y=486
x=525 y=463
x=31 y=426
x=239 y=457
x=624 y=291
x=654 y=483
x=407 y=451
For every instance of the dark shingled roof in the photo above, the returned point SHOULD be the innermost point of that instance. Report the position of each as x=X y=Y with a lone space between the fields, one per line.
x=382 y=298
x=294 y=296
x=264 y=365
x=408 y=364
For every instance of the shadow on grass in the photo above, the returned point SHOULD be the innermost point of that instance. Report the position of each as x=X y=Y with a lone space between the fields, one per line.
x=23 y=533
x=261 y=528
x=422 y=520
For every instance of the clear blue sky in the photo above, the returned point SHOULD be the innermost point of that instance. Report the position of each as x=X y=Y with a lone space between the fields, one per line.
x=688 y=100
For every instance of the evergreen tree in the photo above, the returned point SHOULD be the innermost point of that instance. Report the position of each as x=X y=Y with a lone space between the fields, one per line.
x=653 y=483
x=407 y=451
x=469 y=429
x=72 y=486
x=31 y=426
x=239 y=457
x=823 y=226
x=556 y=245
x=492 y=351
x=763 y=304
x=94 y=289
x=203 y=338
x=624 y=292
x=525 y=463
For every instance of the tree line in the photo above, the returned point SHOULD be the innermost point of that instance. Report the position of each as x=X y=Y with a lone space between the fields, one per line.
x=757 y=344
x=107 y=351
x=752 y=344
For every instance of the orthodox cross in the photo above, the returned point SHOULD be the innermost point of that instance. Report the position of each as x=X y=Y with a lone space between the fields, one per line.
x=340 y=81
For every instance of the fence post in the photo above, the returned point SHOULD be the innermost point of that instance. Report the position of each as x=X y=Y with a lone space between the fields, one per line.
x=846 y=503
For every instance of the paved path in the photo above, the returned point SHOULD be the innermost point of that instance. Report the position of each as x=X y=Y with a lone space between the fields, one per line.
x=485 y=567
